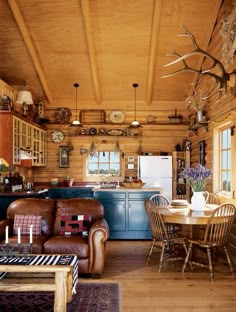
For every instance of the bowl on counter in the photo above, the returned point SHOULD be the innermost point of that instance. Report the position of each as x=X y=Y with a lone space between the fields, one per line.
x=54 y=182
x=132 y=185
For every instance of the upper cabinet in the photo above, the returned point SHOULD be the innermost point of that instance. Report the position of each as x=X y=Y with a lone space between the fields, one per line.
x=20 y=139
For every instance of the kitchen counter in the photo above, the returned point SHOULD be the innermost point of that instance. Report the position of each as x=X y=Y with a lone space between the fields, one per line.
x=125 y=189
x=23 y=193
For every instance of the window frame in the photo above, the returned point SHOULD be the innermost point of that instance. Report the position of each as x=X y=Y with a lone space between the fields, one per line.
x=109 y=178
x=217 y=150
x=103 y=162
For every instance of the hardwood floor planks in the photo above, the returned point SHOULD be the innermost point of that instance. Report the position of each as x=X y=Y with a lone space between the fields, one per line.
x=144 y=289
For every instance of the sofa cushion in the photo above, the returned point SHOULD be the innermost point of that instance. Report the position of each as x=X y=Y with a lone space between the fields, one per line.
x=77 y=206
x=37 y=207
x=24 y=222
x=74 y=225
x=77 y=245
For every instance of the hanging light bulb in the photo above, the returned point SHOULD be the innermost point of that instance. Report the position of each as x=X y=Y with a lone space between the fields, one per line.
x=135 y=123
x=76 y=122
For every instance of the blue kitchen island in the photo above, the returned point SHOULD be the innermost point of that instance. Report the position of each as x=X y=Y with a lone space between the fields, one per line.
x=125 y=211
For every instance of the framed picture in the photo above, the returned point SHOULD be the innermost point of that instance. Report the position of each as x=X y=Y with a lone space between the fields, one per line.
x=131 y=166
x=201 y=153
x=130 y=158
x=64 y=157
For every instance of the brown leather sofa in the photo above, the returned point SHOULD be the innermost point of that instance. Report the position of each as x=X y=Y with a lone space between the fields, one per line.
x=90 y=249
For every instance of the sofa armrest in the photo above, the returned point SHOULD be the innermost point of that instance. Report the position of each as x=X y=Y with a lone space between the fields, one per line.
x=98 y=235
x=3 y=224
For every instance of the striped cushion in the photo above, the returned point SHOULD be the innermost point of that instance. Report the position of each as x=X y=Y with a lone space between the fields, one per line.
x=74 y=225
x=24 y=222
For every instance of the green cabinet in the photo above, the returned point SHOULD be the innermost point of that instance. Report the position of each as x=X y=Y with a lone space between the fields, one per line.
x=125 y=213
x=70 y=192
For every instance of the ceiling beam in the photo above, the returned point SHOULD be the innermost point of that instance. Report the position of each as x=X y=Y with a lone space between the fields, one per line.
x=153 y=49
x=91 y=49
x=30 y=46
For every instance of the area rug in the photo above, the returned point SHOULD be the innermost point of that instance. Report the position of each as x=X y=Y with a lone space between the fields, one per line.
x=90 y=297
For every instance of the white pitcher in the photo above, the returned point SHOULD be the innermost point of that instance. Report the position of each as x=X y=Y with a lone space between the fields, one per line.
x=198 y=200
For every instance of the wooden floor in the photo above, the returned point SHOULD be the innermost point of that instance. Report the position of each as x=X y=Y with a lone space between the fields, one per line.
x=144 y=289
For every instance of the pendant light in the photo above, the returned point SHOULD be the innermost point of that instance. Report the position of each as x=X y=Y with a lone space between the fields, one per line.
x=135 y=123
x=76 y=122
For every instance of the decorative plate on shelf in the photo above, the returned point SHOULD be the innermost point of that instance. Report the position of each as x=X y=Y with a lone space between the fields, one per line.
x=115 y=132
x=92 y=131
x=117 y=117
x=57 y=136
x=63 y=115
x=83 y=131
x=102 y=131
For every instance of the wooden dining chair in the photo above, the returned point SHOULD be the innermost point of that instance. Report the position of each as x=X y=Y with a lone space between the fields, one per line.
x=216 y=234
x=160 y=236
x=213 y=199
x=163 y=202
x=160 y=200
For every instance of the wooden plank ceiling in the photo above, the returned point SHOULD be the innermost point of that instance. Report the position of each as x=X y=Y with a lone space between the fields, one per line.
x=104 y=45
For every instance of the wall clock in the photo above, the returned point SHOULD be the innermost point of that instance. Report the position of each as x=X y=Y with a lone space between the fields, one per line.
x=57 y=136
x=117 y=117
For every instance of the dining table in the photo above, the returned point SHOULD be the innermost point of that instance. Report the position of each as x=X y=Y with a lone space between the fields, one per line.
x=192 y=221
x=185 y=215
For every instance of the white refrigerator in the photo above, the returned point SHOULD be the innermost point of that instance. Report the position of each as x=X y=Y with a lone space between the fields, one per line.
x=156 y=171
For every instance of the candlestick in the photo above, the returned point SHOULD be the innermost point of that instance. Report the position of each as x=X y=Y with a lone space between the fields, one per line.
x=18 y=232
x=6 y=235
x=31 y=234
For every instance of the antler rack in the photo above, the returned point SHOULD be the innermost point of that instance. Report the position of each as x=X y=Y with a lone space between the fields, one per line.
x=223 y=80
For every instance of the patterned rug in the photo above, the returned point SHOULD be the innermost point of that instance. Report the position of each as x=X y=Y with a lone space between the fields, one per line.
x=99 y=297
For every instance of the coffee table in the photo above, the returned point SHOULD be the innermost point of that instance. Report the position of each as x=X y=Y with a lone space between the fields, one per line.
x=63 y=267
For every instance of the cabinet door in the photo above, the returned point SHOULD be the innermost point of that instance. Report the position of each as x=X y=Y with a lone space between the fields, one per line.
x=138 y=220
x=42 y=148
x=115 y=209
x=39 y=147
x=16 y=140
x=86 y=192
x=115 y=214
x=26 y=135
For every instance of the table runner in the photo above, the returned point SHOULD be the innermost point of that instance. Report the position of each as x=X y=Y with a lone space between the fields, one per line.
x=44 y=260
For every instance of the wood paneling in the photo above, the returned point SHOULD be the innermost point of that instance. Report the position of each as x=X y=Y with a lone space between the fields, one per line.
x=154 y=139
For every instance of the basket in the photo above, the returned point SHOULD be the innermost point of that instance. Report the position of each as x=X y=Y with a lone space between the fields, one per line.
x=133 y=185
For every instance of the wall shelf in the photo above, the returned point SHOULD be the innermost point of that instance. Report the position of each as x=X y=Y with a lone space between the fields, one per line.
x=196 y=126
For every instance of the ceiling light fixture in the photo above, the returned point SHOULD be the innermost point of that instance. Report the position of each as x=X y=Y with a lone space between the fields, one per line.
x=76 y=122
x=135 y=123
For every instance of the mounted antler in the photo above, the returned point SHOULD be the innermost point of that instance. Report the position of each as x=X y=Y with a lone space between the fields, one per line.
x=223 y=80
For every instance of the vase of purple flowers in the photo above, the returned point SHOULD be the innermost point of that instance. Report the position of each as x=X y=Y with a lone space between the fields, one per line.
x=197 y=177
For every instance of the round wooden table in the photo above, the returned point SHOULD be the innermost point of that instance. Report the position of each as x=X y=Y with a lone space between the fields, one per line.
x=186 y=215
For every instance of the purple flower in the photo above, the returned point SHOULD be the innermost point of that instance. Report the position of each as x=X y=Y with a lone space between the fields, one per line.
x=197 y=177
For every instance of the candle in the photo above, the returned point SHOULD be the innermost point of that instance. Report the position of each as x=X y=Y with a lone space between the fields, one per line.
x=31 y=234
x=18 y=232
x=6 y=235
